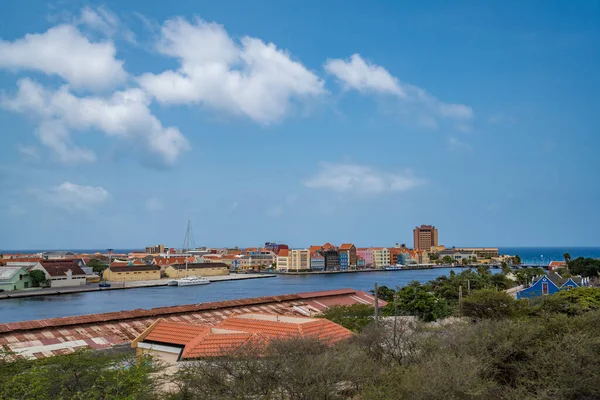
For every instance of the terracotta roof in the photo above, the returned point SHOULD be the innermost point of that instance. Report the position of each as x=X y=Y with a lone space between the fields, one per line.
x=127 y=263
x=53 y=336
x=201 y=265
x=175 y=333
x=133 y=268
x=283 y=253
x=237 y=330
x=219 y=344
x=23 y=259
x=173 y=260
x=346 y=246
x=60 y=267
x=557 y=264
x=328 y=246
x=314 y=249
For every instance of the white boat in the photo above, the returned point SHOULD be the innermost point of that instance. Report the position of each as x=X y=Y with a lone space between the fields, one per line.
x=189 y=281
x=396 y=267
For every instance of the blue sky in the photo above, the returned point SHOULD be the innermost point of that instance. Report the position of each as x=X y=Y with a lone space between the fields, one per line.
x=298 y=122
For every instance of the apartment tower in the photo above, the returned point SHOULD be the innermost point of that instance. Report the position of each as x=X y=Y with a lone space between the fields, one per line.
x=425 y=237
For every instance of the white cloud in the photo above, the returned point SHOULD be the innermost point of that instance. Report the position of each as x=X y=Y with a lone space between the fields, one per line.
x=64 y=51
x=456 y=144
x=154 y=204
x=250 y=78
x=30 y=152
x=102 y=20
x=75 y=197
x=358 y=74
x=124 y=114
x=361 y=179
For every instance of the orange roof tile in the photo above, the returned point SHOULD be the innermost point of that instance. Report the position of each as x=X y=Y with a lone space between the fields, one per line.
x=315 y=248
x=236 y=331
x=176 y=333
x=283 y=253
x=346 y=246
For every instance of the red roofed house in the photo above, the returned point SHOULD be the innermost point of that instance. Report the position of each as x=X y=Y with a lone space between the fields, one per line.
x=554 y=265
x=283 y=260
x=347 y=256
x=62 y=273
x=172 y=341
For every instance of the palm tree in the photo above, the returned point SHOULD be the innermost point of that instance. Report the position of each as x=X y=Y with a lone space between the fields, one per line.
x=505 y=269
x=567 y=257
x=465 y=262
x=517 y=260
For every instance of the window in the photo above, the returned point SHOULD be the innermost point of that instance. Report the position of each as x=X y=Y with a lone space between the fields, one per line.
x=544 y=287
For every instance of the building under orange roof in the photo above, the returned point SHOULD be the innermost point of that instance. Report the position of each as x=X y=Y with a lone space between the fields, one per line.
x=164 y=261
x=284 y=253
x=346 y=246
x=172 y=341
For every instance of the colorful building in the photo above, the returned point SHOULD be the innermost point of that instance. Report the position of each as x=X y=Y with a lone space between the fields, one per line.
x=283 y=260
x=14 y=278
x=367 y=255
x=347 y=254
x=381 y=257
x=299 y=260
x=550 y=284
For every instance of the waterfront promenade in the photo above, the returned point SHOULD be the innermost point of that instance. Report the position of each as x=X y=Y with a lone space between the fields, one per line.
x=94 y=287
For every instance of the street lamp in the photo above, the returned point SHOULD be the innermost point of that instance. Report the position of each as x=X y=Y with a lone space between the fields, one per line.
x=109 y=251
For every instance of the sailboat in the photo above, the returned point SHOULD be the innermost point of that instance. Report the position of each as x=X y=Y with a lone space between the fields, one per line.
x=188 y=280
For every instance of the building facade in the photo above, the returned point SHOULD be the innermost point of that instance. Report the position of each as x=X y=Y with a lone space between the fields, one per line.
x=62 y=273
x=347 y=256
x=425 y=237
x=299 y=260
x=283 y=260
x=381 y=257
x=132 y=273
x=14 y=278
x=367 y=255
x=177 y=271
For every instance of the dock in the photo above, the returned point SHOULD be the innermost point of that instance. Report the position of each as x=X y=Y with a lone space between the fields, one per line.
x=120 y=286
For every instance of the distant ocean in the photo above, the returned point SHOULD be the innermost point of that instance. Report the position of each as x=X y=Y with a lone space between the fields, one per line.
x=532 y=255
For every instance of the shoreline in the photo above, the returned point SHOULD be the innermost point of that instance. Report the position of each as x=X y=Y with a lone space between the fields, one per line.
x=121 y=286
x=365 y=270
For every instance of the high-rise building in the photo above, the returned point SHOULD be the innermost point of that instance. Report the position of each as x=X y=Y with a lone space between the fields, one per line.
x=425 y=237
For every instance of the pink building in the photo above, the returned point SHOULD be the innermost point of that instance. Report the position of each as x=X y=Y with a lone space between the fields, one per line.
x=367 y=255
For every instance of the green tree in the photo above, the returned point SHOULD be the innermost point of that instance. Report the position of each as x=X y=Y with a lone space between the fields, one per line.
x=38 y=278
x=567 y=257
x=419 y=300
x=354 y=317
x=465 y=262
x=97 y=266
x=489 y=304
x=385 y=293
x=587 y=267
x=517 y=260
x=447 y=260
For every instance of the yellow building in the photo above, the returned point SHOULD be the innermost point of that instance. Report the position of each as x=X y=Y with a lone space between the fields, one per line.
x=283 y=260
x=131 y=273
x=177 y=271
x=381 y=257
x=299 y=260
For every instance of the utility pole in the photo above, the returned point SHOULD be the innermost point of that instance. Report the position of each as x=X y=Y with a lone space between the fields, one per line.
x=460 y=300
x=376 y=306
